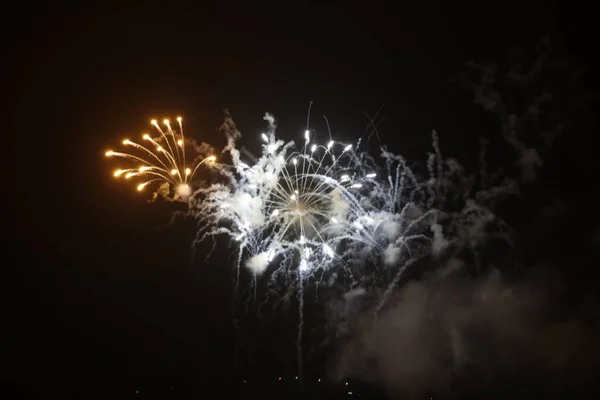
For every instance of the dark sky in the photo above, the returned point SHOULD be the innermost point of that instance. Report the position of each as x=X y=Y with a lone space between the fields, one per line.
x=103 y=288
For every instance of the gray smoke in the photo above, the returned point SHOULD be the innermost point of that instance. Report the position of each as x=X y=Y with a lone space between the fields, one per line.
x=452 y=330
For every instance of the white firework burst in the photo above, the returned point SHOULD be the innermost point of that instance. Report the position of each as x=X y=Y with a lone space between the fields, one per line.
x=301 y=206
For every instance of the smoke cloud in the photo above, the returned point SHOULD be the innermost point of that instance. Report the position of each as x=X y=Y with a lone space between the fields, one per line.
x=453 y=334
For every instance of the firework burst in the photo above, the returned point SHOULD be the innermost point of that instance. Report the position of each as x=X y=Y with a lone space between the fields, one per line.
x=302 y=205
x=164 y=161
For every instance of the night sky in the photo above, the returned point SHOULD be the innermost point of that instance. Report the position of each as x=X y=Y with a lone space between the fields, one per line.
x=101 y=289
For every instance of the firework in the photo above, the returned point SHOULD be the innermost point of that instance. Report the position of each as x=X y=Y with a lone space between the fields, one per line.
x=164 y=161
x=306 y=207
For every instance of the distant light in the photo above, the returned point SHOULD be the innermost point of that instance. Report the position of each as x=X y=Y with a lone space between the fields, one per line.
x=346 y=383
x=279 y=378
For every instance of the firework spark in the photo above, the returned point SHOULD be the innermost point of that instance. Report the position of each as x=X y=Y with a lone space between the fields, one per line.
x=163 y=162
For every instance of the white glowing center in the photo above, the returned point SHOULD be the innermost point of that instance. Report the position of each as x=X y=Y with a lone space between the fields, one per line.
x=184 y=190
